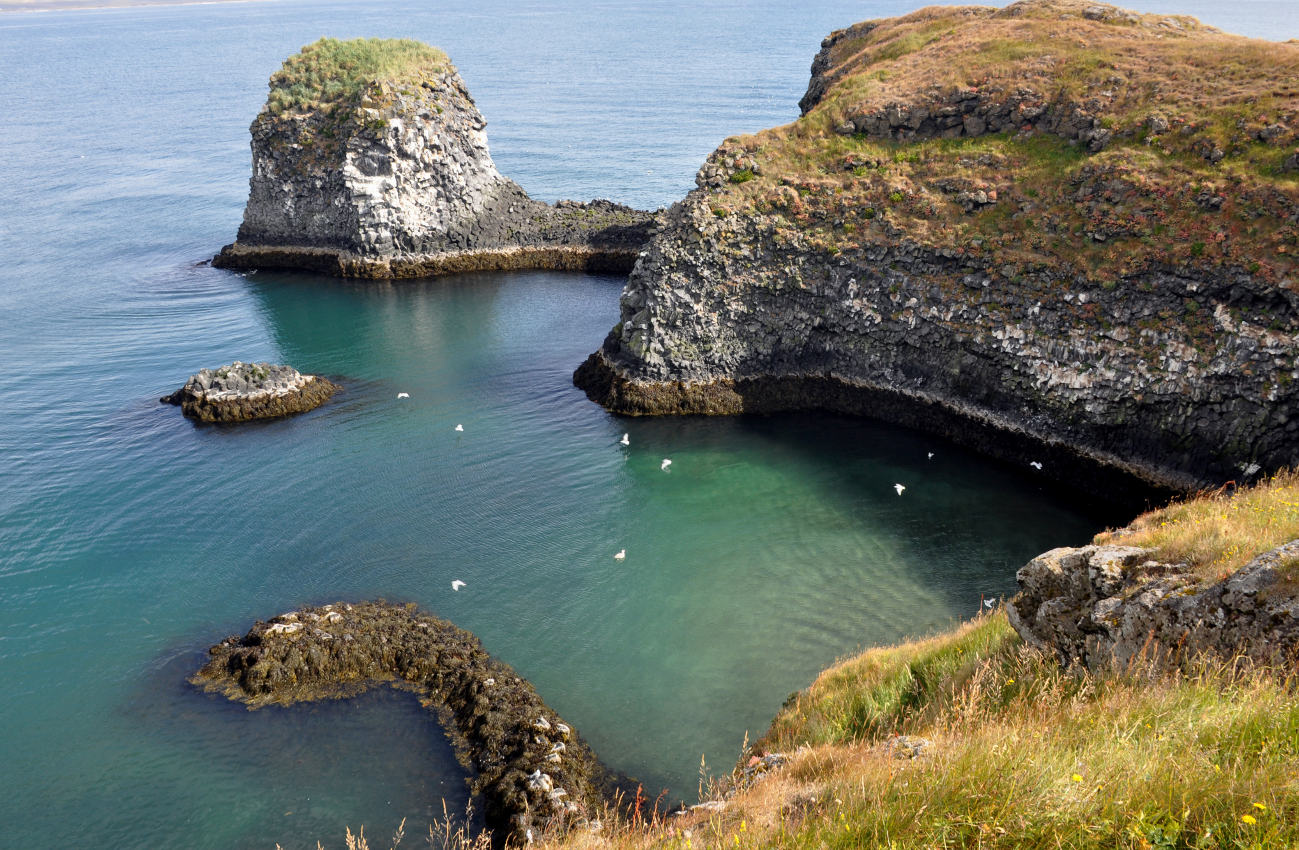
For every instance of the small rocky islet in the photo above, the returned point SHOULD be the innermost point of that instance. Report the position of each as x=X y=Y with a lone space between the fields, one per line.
x=532 y=770
x=240 y=391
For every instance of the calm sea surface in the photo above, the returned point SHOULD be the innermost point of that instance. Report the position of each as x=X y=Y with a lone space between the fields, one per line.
x=131 y=539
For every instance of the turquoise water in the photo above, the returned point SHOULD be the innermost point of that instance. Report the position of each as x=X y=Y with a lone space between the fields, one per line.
x=131 y=539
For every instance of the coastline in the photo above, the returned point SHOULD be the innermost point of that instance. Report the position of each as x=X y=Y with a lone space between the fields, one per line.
x=99 y=5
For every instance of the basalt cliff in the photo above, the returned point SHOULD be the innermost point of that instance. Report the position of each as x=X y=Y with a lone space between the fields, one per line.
x=370 y=160
x=1059 y=232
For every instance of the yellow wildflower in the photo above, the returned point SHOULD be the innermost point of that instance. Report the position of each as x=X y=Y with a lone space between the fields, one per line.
x=1077 y=777
x=1249 y=819
x=1260 y=807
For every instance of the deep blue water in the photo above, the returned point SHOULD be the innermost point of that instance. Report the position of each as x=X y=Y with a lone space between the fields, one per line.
x=131 y=539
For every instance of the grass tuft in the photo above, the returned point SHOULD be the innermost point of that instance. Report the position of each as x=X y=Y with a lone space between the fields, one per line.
x=331 y=71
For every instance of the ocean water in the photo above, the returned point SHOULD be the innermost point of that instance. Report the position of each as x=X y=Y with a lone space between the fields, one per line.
x=131 y=539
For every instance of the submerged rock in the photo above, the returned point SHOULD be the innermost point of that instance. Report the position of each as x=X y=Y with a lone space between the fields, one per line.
x=243 y=391
x=391 y=178
x=532 y=770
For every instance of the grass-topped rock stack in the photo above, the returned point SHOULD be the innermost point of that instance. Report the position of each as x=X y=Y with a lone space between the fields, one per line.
x=532 y=769
x=370 y=160
x=1059 y=232
x=243 y=391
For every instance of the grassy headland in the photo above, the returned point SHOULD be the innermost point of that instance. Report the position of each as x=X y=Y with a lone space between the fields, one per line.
x=330 y=71
x=1187 y=156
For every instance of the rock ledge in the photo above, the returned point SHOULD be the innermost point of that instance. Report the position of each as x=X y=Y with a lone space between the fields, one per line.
x=242 y=391
x=533 y=770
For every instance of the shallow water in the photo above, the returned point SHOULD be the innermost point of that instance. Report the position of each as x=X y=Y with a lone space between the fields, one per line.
x=131 y=539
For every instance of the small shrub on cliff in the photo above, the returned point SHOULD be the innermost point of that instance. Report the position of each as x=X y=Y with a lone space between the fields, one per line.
x=331 y=71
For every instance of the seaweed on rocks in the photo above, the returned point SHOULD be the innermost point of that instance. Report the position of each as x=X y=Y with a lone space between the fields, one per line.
x=534 y=771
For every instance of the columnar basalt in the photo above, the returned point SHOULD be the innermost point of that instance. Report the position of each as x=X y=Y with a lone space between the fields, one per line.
x=243 y=391
x=1116 y=310
x=533 y=770
x=395 y=180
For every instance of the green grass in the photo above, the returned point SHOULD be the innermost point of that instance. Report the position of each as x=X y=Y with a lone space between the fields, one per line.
x=331 y=71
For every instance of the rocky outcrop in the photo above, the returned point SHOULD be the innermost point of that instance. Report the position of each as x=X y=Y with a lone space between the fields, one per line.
x=1103 y=605
x=1118 y=312
x=398 y=182
x=243 y=391
x=532 y=769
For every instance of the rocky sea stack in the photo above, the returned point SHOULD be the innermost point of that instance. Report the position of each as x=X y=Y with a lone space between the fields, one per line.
x=1059 y=232
x=243 y=391
x=370 y=160
x=532 y=769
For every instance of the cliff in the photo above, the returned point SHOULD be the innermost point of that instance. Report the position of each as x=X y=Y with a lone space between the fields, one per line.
x=1058 y=232
x=370 y=160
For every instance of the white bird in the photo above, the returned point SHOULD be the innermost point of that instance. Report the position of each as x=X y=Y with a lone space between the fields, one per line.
x=988 y=603
x=622 y=553
x=1035 y=464
x=899 y=488
x=457 y=584
x=403 y=395
x=626 y=440
x=665 y=464
x=931 y=455
x=460 y=427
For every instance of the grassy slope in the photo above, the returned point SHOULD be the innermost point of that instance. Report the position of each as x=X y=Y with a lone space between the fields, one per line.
x=1146 y=200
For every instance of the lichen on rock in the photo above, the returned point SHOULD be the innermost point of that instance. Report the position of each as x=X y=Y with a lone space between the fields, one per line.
x=243 y=391
x=533 y=770
x=391 y=177
x=1097 y=606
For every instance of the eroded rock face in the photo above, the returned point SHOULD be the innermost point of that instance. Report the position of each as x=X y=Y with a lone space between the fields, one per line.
x=533 y=770
x=1102 y=605
x=403 y=186
x=243 y=391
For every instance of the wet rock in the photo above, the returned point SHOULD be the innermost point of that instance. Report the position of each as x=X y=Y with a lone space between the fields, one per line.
x=492 y=728
x=243 y=391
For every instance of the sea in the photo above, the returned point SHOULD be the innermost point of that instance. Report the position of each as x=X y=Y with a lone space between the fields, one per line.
x=132 y=539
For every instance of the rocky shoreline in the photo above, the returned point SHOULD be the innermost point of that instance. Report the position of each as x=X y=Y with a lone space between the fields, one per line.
x=397 y=182
x=533 y=771
x=1072 y=288
x=243 y=391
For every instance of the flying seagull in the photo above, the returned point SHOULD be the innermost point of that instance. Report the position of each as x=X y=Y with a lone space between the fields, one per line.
x=622 y=553
x=626 y=440
x=1035 y=464
x=988 y=603
x=460 y=427
x=899 y=488
x=665 y=464
x=457 y=584
x=931 y=455
x=403 y=395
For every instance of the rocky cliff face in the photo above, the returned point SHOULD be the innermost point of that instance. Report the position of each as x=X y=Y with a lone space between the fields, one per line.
x=1074 y=297
x=399 y=183
x=1102 y=605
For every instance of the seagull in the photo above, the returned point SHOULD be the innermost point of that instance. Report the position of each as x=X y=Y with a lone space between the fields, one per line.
x=460 y=427
x=622 y=553
x=665 y=464
x=626 y=440
x=988 y=603
x=1035 y=464
x=899 y=488
x=457 y=584
x=931 y=455
x=403 y=395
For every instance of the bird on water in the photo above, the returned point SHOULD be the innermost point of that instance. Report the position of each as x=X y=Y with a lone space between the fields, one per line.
x=622 y=553
x=626 y=440
x=457 y=584
x=665 y=464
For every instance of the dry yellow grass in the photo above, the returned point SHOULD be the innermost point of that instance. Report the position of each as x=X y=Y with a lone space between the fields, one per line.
x=1219 y=532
